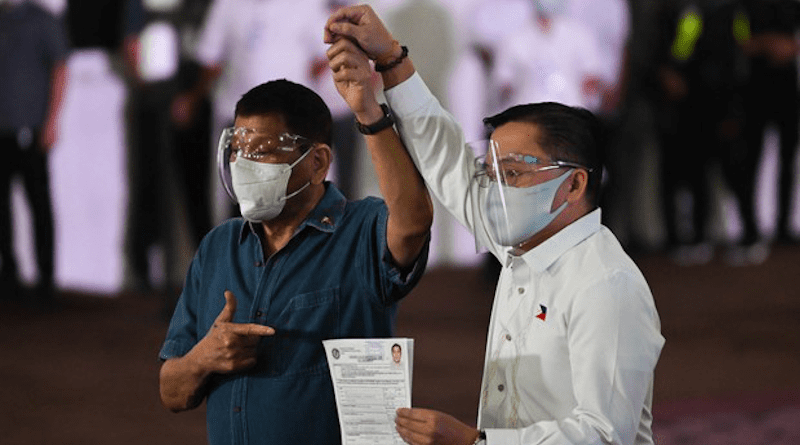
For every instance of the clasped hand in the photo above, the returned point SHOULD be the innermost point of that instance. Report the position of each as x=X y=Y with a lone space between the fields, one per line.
x=357 y=35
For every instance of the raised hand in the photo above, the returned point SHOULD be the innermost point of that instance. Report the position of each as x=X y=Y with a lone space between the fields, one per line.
x=228 y=346
x=360 y=24
x=352 y=75
x=419 y=426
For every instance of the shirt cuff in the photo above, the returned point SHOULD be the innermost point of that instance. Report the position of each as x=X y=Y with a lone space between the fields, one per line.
x=408 y=96
x=496 y=436
x=407 y=275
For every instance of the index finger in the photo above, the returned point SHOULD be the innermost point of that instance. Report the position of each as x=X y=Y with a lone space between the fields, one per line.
x=345 y=46
x=251 y=329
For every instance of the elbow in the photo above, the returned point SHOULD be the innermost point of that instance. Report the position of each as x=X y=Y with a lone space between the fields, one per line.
x=171 y=403
x=171 y=406
x=175 y=403
x=173 y=396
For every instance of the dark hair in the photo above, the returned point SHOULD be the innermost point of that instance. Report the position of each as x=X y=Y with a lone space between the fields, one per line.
x=398 y=347
x=304 y=112
x=566 y=134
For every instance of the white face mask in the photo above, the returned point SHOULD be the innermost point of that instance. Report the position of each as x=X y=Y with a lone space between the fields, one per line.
x=525 y=212
x=260 y=187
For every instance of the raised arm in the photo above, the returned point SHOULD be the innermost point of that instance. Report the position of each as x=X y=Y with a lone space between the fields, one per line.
x=408 y=201
x=432 y=136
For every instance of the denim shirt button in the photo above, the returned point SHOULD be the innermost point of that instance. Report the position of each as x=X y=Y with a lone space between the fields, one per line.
x=237 y=409
x=257 y=264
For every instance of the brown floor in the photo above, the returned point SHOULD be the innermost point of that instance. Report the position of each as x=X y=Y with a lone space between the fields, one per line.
x=87 y=373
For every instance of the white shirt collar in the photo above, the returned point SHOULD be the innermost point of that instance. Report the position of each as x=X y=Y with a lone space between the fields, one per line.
x=545 y=254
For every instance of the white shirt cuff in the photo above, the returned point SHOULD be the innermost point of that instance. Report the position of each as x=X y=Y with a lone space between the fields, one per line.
x=408 y=96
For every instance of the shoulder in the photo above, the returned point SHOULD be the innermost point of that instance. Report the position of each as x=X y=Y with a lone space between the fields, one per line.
x=227 y=231
x=605 y=268
x=369 y=203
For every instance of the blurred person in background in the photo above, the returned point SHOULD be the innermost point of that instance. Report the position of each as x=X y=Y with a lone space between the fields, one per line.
x=702 y=75
x=574 y=336
x=303 y=264
x=242 y=43
x=167 y=160
x=772 y=96
x=543 y=56
x=608 y=21
x=492 y=23
x=33 y=77
x=552 y=57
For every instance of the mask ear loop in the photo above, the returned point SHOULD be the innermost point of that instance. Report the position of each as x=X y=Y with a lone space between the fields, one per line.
x=291 y=166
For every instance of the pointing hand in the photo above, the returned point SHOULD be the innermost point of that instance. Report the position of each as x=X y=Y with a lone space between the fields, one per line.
x=230 y=347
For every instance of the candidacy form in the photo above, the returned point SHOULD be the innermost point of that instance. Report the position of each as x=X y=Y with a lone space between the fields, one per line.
x=371 y=379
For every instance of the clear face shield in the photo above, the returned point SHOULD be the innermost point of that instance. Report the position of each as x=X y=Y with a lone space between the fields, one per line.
x=511 y=200
x=250 y=144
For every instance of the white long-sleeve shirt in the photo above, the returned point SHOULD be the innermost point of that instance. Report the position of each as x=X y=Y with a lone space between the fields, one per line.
x=551 y=66
x=256 y=41
x=574 y=335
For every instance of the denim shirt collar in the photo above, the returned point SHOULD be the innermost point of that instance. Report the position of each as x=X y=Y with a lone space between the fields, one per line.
x=325 y=217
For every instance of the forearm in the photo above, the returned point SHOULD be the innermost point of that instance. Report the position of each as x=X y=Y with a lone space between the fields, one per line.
x=436 y=144
x=399 y=73
x=182 y=383
x=58 y=85
x=410 y=206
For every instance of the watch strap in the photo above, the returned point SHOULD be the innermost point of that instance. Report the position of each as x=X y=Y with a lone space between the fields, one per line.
x=385 y=122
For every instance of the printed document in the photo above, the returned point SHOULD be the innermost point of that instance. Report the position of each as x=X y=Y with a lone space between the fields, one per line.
x=371 y=379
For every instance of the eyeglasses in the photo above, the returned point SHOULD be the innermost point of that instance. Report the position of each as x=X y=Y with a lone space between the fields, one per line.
x=516 y=170
x=258 y=146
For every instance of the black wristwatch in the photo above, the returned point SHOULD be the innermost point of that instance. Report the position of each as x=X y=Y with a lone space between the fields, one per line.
x=385 y=122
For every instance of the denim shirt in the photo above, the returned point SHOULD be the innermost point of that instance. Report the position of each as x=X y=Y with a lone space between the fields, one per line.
x=334 y=279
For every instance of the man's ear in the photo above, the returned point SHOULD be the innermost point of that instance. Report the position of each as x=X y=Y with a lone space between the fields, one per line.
x=577 y=185
x=321 y=159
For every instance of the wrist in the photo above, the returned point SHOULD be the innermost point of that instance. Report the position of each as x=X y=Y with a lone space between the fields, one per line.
x=385 y=121
x=369 y=114
x=197 y=363
x=395 y=52
x=480 y=439
x=392 y=63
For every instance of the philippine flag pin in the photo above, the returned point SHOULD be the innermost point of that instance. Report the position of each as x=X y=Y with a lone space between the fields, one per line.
x=541 y=313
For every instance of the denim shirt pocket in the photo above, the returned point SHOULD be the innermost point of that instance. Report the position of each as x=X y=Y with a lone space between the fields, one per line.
x=307 y=320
